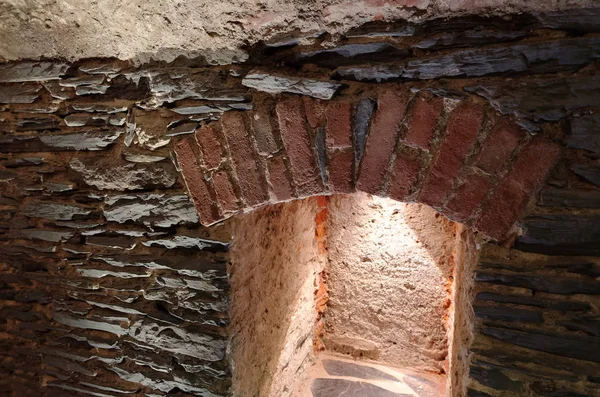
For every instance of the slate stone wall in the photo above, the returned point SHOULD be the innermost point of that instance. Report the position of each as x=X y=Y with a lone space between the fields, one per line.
x=111 y=286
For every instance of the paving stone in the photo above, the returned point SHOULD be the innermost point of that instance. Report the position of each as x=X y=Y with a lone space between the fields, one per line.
x=355 y=370
x=323 y=387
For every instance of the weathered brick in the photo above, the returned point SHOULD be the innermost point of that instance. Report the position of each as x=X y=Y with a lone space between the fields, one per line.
x=263 y=129
x=208 y=140
x=280 y=184
x=244 y=158
x=468 y=197
x=499 y=146
x=315 y=111
x=194 y=179
x=225 y=193
x=463 y=127
x=404 y=176
x=423 y=121
x=511 y=196
x=340 y=172
x=339 y=125
x=391 y=107
x=298 y=147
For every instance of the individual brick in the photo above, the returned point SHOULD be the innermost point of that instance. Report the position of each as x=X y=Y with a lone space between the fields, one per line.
x=244 y=158
x=263 y=129
x=340 y=171
x=499 y=146
x=423 y=121
x=391 y=107
x=469 y=197
x=463 y=128
x=280 y=184
x=315 y=111
x=194 y=179
x=339 y=125
x=298 y=147
x=226 y=196
x=208 y=140
x=510 y=197
x=404 y=176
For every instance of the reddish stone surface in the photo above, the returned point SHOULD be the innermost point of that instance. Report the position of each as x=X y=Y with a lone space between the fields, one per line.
x=263 y=129
x=208 y=140
x=468 y=197
x=391 y=107
x=510 y=198
x=404 y=176
x=194 y=179
x=339 y=125
x=315 y=111
x=423 y=121
x=298 y=148
x=244 y=158
x=280 y=184
x=225 y=193
x=499 y=146
x=340 y=172
x=463 y=128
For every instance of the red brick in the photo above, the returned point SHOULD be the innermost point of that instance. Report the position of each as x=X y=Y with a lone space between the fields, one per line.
x=512 y=194
x=391 y=107
x=405 y=173
x=468 y=197
x=315 y=111
x=297 y=145
x=463 y=128
x=280 y=184
x=263 y=129
x=499 y=146
x=244 y=158
x=194 y=179
x=340 y=172
x=339 y=125
x=225 y=193
x=423 y=121
x=208 y=140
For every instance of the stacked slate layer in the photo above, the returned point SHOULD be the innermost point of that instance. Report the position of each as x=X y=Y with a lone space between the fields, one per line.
x=113 y=285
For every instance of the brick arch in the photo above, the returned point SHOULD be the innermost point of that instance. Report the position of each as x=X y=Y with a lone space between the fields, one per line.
x=456 y=155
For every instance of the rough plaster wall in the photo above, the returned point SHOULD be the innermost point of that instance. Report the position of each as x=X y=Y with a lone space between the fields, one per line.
x=75 y=29
x=274 y=265
x=389 y=274
x=465 y=256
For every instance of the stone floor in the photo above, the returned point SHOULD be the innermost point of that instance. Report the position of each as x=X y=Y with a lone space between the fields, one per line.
x=337 y=376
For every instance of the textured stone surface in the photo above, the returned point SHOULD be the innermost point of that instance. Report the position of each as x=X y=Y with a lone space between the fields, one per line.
x=277 y=84
x=342 y=368
x=348 y=388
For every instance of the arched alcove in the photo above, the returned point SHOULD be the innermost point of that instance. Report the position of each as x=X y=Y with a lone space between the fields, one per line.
x=330 y=280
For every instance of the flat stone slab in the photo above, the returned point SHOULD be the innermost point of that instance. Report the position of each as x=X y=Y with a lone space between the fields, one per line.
x=322 y=387
x=343 y=368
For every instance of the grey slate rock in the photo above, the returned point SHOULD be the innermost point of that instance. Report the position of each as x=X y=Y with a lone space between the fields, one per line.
x=495 y=379
x=343 y=368
x=507 y=313
x=577 y=198
x=350 y=54
x=533 y=301
x=561 y=234
x=124 y=177
x=585 y=134
x=54 y=211
x=555 y=285
x=469 y=38
x=590 y=172
x=579 y=347
x=89 y=141
x=31 y=71
x=150 y=209
x=187 y=242
x=19 y=93
x=360 y=127
x=45 y=235
x=295 y=85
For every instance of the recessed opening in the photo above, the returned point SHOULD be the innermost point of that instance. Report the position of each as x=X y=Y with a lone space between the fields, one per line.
x=349 y=291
